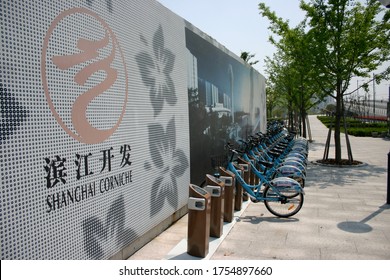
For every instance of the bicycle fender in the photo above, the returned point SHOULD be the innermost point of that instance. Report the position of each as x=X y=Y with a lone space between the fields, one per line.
x=289 y=171
x=287 y=183
x=297 y=155
x=294 y=158
x=294 y=163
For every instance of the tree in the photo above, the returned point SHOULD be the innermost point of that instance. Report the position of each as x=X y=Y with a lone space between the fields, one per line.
x=272 y=99
x=343 y=39
x=281 y=85
x=348 y=41
x=290 y=69
x=247 y=56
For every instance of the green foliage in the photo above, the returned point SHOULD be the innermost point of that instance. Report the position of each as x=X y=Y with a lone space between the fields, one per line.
x=247 y=56
x=356 y=127
x=366 y=131
x=337 y=40
x=347 y=41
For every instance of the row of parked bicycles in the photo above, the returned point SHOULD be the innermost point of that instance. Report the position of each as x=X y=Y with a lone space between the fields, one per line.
x=278 y=162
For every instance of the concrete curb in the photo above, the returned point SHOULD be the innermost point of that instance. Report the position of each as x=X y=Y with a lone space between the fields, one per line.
x=179 y=252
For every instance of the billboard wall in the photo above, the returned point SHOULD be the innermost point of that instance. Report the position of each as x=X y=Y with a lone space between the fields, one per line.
x=226 y=101
x=95 y=142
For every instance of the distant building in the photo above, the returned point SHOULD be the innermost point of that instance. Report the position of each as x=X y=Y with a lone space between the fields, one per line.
x=192 y=71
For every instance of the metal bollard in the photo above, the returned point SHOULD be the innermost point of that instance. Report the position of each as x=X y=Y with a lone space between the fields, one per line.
x=199 y=208
x=388 y=178
x=216 y=188
x=230 y=190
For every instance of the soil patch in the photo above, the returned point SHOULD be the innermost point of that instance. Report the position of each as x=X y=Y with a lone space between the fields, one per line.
x=343 y=163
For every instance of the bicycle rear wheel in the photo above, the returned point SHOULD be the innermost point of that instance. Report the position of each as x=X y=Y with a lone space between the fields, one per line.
x=286 y=207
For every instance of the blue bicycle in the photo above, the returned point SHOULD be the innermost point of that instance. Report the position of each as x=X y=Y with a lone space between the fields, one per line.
x=282 y=196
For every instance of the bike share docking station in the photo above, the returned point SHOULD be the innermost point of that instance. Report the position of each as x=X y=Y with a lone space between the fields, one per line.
x=216 y=188
x=213 y=203
x=208 y=209
x=230 y=191
x=224 y=193
x=247 y=175
x=199 y=209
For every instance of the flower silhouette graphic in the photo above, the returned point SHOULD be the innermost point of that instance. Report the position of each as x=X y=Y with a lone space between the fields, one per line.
x=155 y=72
x=168 y=162
x=100 y=233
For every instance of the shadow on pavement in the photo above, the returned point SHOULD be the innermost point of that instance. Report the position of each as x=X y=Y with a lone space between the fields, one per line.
x=361 y=226
x=335 y=176
x=257 y=220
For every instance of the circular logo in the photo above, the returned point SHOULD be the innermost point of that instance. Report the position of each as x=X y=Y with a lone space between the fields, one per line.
x=84 y=75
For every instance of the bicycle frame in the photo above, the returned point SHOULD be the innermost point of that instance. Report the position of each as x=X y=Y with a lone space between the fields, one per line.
x=276 y=182
x=280 y=171
x=285 y=170
x=294 y=161
x=255 y=192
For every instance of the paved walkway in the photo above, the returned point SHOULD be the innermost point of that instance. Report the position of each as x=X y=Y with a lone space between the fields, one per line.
x=344 y=216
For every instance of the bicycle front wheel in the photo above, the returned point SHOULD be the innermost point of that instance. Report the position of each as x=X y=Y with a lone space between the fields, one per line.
x=284 y=207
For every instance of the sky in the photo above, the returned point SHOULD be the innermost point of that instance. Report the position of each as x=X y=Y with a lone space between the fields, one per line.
x=238 y=26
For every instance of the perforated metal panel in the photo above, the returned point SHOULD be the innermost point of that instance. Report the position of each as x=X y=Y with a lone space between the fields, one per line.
x=94 y=122
x=94 y=125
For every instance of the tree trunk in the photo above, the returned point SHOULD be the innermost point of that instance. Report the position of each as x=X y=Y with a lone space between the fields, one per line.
x=327 y=144
x=290 y=117
x=302 y=110
x=349 y=149
x=308 y=128
x=338 y=116
x=299 y=123
x=303 y=119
